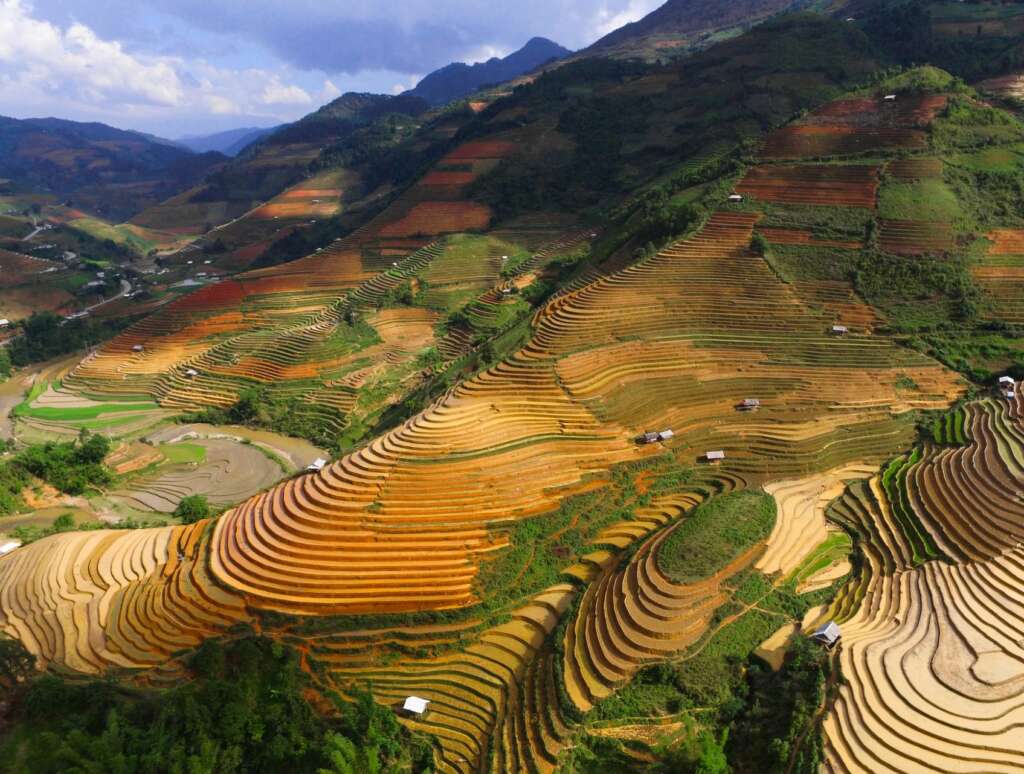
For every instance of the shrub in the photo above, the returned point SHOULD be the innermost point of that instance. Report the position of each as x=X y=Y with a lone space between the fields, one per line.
x=192 y=509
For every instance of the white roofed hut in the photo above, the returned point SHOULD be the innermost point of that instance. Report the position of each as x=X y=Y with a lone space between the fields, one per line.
x=4 y=322
x=414 y=706
x=735 y=197
x=137 y=348
x=666 y=435
x=1010 y=395
x=9 y=546
x=750 y=404
x=317 y=465
x=191 y=373
x=647 y=438
x=889 y=98
x=827 y=634
x=1004 y=381
x=714 y=457
x=839 y=330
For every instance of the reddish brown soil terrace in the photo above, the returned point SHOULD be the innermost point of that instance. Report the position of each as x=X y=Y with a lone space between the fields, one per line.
x=909 y=170
x=915 y=237
x=841 y=186
x=854 y=126
x=440 y=218
x=793 y=142
x=481 y=149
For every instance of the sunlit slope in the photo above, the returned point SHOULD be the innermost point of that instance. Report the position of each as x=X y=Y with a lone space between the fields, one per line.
x=707 y=325
x=932 y=658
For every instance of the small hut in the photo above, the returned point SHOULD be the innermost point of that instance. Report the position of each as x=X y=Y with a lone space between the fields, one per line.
x=1004 y=381
x=415 y=707
x=666 y=435
x=827 y=634
x=750 y=404
x=735 y=197
x=317 y=465
x=137 y=348
x=839 y=330
x=9 y=546
x=648 y=438
x=714 y=457
x=191 y=373
x=889 y=97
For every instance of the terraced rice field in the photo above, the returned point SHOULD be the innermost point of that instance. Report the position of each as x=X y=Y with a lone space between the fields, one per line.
x=403 y=524
x=933 y=656
x=1001 y=274
x=848 y=127
x=915 y=237
x=827 y=184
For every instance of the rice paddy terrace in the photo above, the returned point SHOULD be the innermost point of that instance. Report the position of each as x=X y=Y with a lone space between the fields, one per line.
x=508 y=553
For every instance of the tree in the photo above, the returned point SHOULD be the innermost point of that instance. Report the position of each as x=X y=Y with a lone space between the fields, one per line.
x=192 y=509
x=16 y=663
x=346 y=758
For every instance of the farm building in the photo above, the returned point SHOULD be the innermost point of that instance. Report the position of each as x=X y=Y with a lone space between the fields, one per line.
x=827 y=634
x=648 y=438
x=750 y=404
x=666 y=435
x=137 y=348
x=1010 y=395
x=191 y=373
x=1004 y=381
x=889 y=97
x=4 y=322
x=9 y=546
x=735 y=197
x=714 y=456
x=840 y=330
x=318 y=464
x=415 y=706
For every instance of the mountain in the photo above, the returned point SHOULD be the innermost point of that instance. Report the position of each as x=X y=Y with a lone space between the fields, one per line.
x=281 y=158
x=230 y=143
x=458 y=79
x=682 y=25
x=110 y=171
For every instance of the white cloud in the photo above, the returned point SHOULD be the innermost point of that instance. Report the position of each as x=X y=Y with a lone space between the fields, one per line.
x=329 y=91
x=277 y=93
x=606 y=21
x=73 y=72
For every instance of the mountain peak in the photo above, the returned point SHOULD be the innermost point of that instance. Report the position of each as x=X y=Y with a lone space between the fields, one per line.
x=458 y=79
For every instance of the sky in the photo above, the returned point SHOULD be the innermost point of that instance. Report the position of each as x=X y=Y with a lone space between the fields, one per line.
x=183 y=67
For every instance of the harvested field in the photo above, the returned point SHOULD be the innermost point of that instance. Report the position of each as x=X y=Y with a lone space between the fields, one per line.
x=829 y=184
x=795 y=142
x=439 y=218
x=230 y=473
x=914 y=237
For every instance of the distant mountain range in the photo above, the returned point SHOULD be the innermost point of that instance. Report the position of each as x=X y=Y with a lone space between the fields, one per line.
x=109 y=171
x=230 y=143
x=458 y=80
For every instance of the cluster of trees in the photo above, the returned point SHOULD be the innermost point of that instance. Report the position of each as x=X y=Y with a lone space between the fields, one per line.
x=256 y=407
x=45 y=335
x=193 y=508
x=73 y=467
x=245 y=710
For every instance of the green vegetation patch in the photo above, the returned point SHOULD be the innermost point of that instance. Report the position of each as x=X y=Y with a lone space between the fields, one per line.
x=180 y=453
x=716 y=533
x=244 y=710
x=929 y=200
